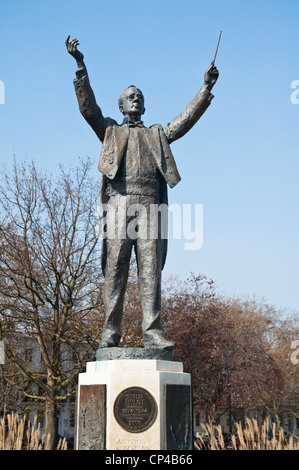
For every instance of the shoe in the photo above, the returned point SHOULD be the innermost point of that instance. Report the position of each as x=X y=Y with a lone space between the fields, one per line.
x=156 y=339
x=107 y=344
x=110 y=338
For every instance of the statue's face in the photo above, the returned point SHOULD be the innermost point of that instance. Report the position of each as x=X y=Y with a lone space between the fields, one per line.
x=132 y=103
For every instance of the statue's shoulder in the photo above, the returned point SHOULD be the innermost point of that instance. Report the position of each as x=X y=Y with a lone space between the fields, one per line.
x=110 y=122
x=157 y=128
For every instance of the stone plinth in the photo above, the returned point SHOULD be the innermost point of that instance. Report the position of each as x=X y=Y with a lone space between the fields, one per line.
x=105 y=354
x=135 y=404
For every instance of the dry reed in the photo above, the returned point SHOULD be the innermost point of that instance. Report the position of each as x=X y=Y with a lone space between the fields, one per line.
x=248 y=437
x=19 y=433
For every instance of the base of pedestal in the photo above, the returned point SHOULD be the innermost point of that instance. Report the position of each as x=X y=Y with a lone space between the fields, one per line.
x=109 y=354
x=134 y=404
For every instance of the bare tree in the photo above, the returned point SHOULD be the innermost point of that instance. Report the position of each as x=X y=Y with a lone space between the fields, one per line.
x=282 y=398
x=50 y=276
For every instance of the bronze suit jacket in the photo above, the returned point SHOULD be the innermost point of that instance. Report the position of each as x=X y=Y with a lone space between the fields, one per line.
x=114 y=147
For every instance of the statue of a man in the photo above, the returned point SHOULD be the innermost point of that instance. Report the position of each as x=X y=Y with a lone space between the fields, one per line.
x=137 y=165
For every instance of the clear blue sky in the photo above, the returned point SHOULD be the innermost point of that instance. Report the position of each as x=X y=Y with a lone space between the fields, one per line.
x=240 y=161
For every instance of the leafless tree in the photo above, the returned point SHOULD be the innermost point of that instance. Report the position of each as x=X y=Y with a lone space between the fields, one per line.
x=50 y=276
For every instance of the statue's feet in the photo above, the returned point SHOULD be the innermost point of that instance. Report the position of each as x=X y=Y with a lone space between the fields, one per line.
x=156 y=339
x=110 y=338
x=106 y=343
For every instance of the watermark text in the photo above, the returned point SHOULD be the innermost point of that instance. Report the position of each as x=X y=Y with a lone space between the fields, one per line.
x=295 y=93
x=295 y=354
x=2 y=92
x=153 y=221
x=2 y=353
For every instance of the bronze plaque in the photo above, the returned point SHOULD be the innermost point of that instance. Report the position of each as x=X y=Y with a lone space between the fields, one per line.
x=135 y=409
x=178 y=417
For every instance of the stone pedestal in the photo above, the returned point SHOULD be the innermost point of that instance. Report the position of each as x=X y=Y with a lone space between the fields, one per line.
x=134 y=404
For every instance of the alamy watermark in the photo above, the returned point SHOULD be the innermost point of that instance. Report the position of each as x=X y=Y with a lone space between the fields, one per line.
x=2 y=353
x=295 y=354
x=295 y=93
x=152 y=221
x=2 y=92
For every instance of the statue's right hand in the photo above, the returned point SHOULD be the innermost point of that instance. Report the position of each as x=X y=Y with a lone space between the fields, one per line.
x=71 y=47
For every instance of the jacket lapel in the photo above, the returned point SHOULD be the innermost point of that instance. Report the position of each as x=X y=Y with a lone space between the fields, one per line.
x=163 y=155
x=114 y=145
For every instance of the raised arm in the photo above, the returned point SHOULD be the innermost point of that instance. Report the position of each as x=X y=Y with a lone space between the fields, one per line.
x=85 y=96
x=181 y=124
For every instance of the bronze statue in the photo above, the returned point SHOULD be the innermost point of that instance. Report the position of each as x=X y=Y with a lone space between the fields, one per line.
x=137 y=164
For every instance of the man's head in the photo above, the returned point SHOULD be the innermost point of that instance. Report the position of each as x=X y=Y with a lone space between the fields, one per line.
x=131 y=102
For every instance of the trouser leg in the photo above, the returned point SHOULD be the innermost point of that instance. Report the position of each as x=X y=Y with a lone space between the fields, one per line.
x=149 y=276
x=149 y=259
x=116 y=275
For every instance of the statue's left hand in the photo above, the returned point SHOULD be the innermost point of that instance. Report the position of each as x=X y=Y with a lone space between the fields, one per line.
x=211 y=75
